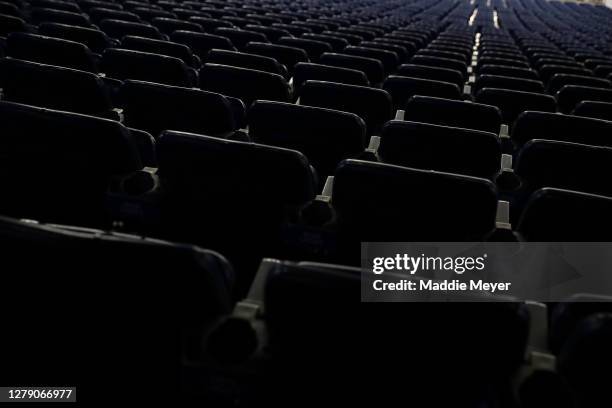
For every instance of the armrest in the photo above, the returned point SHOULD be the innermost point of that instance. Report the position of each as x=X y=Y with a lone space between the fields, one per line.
x=399 y=114
x=319 y=211
x=326 y=194
x=371 y=152
x=538 y=327
x=502 y=218
x=506 y=162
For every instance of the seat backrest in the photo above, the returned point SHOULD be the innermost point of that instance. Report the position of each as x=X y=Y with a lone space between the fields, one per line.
x=304 y=71
x=594 y=109
x=53 y=87
x=47 y=15
x=440 y=62
x=544 y=125
x=504 y=82
x=243 y=83
x=94 y=39
x=555 y=215
x=571 y=166
x=168 y=25
x=97 y=14
x=325 y=136
x=170 y=49
x=201 y=43
x=156 y=107
x=453 y=113
x=118 y=29
x=442 y=148
x=558 y=81
x=504 y=70
x=129 y=64
x=11 y=24
x=402 y=89
x=389 y=59
x=513 y=103
x=373 y=105
x=240 y=38
x=372 y=68
x=376 y=201
x=571 y=95
x=547 y=71
x=431 y=73
x=244 y=60
x=286 y=55
x=57 y=165
x=49 y=50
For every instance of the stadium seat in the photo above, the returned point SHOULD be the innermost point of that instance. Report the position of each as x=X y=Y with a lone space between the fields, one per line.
x=209 y=24
x=169 y=25
x=54 y=87
x=325 y=136
x=402 y=89
x=313 y=48
x=440 y=62
x=594 y=109
x=504 y=82
x=166 y=48
x=373 y=68
x=508 y=71
x=175 y=108
x=373 y=105
x=288 y=56
x=52 y=51
x=453 y=113
x=98 y=14
x=46 y=15
x=513 y=103
x=240 y=38
x=118 y=29
x=11 y=24
x=558 y=81
x=548 y=71
x=442 y=148
x=571 y=95
x=440 y=206
x=543 y=125
x=60 y=166
x=389 y=59
x=304 y=71
x=201 y=43
x=93 y=39
x=243 y=83
x=245 y=60
x=432 y=73
x=545 y=217
x=272 y=33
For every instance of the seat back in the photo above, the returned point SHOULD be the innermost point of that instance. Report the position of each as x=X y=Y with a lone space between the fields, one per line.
x=244 y=60
x=402 y=89
x=372 y=68
x=504 y=82
x=94 y=39
x=201 y=43
x=513 y=103
x=170 y=49
x=286 y=55
x=431 y=73
x=594 y=109
x=433 y=147
x=304 y=71
x=571 y=95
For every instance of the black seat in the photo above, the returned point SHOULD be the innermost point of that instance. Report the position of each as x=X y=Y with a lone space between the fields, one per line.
x=373 y=68
x=571 y=166
x=156 y=107
x=288 y=56
x=555 y=215
x=371 y=104
x=337 y=43
x=254 y=188
x=169 y=25
x=202 y=43
x=325 y=136
x=170 y=49
x=558 y=81
x=58 y=166
x=271 y=33
x=94 y=39
x=547 y=71
x=243 y=83
x=52 y=51
x=453 y=113
x=594 y=109
x=304 y=71
x=432 y=73
x=240 y=38
x=389 y=59
x=128 y=64
x=443 y=54
x=375 y=201
x=54 y=87
x=244 y=60
x=118 y=29
x=402 y=89
x=313 y=48
x=571 y=95
x=502 y=61
x=440 y=62
x=543 y=125
x=148 y=14
x=40 y=15
x=174 y=289
x=210 y=24
x=97 y=14
x=11 y=24
x=504 y=70
x=504 y=82
x=442 y=148
x=513 y=103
